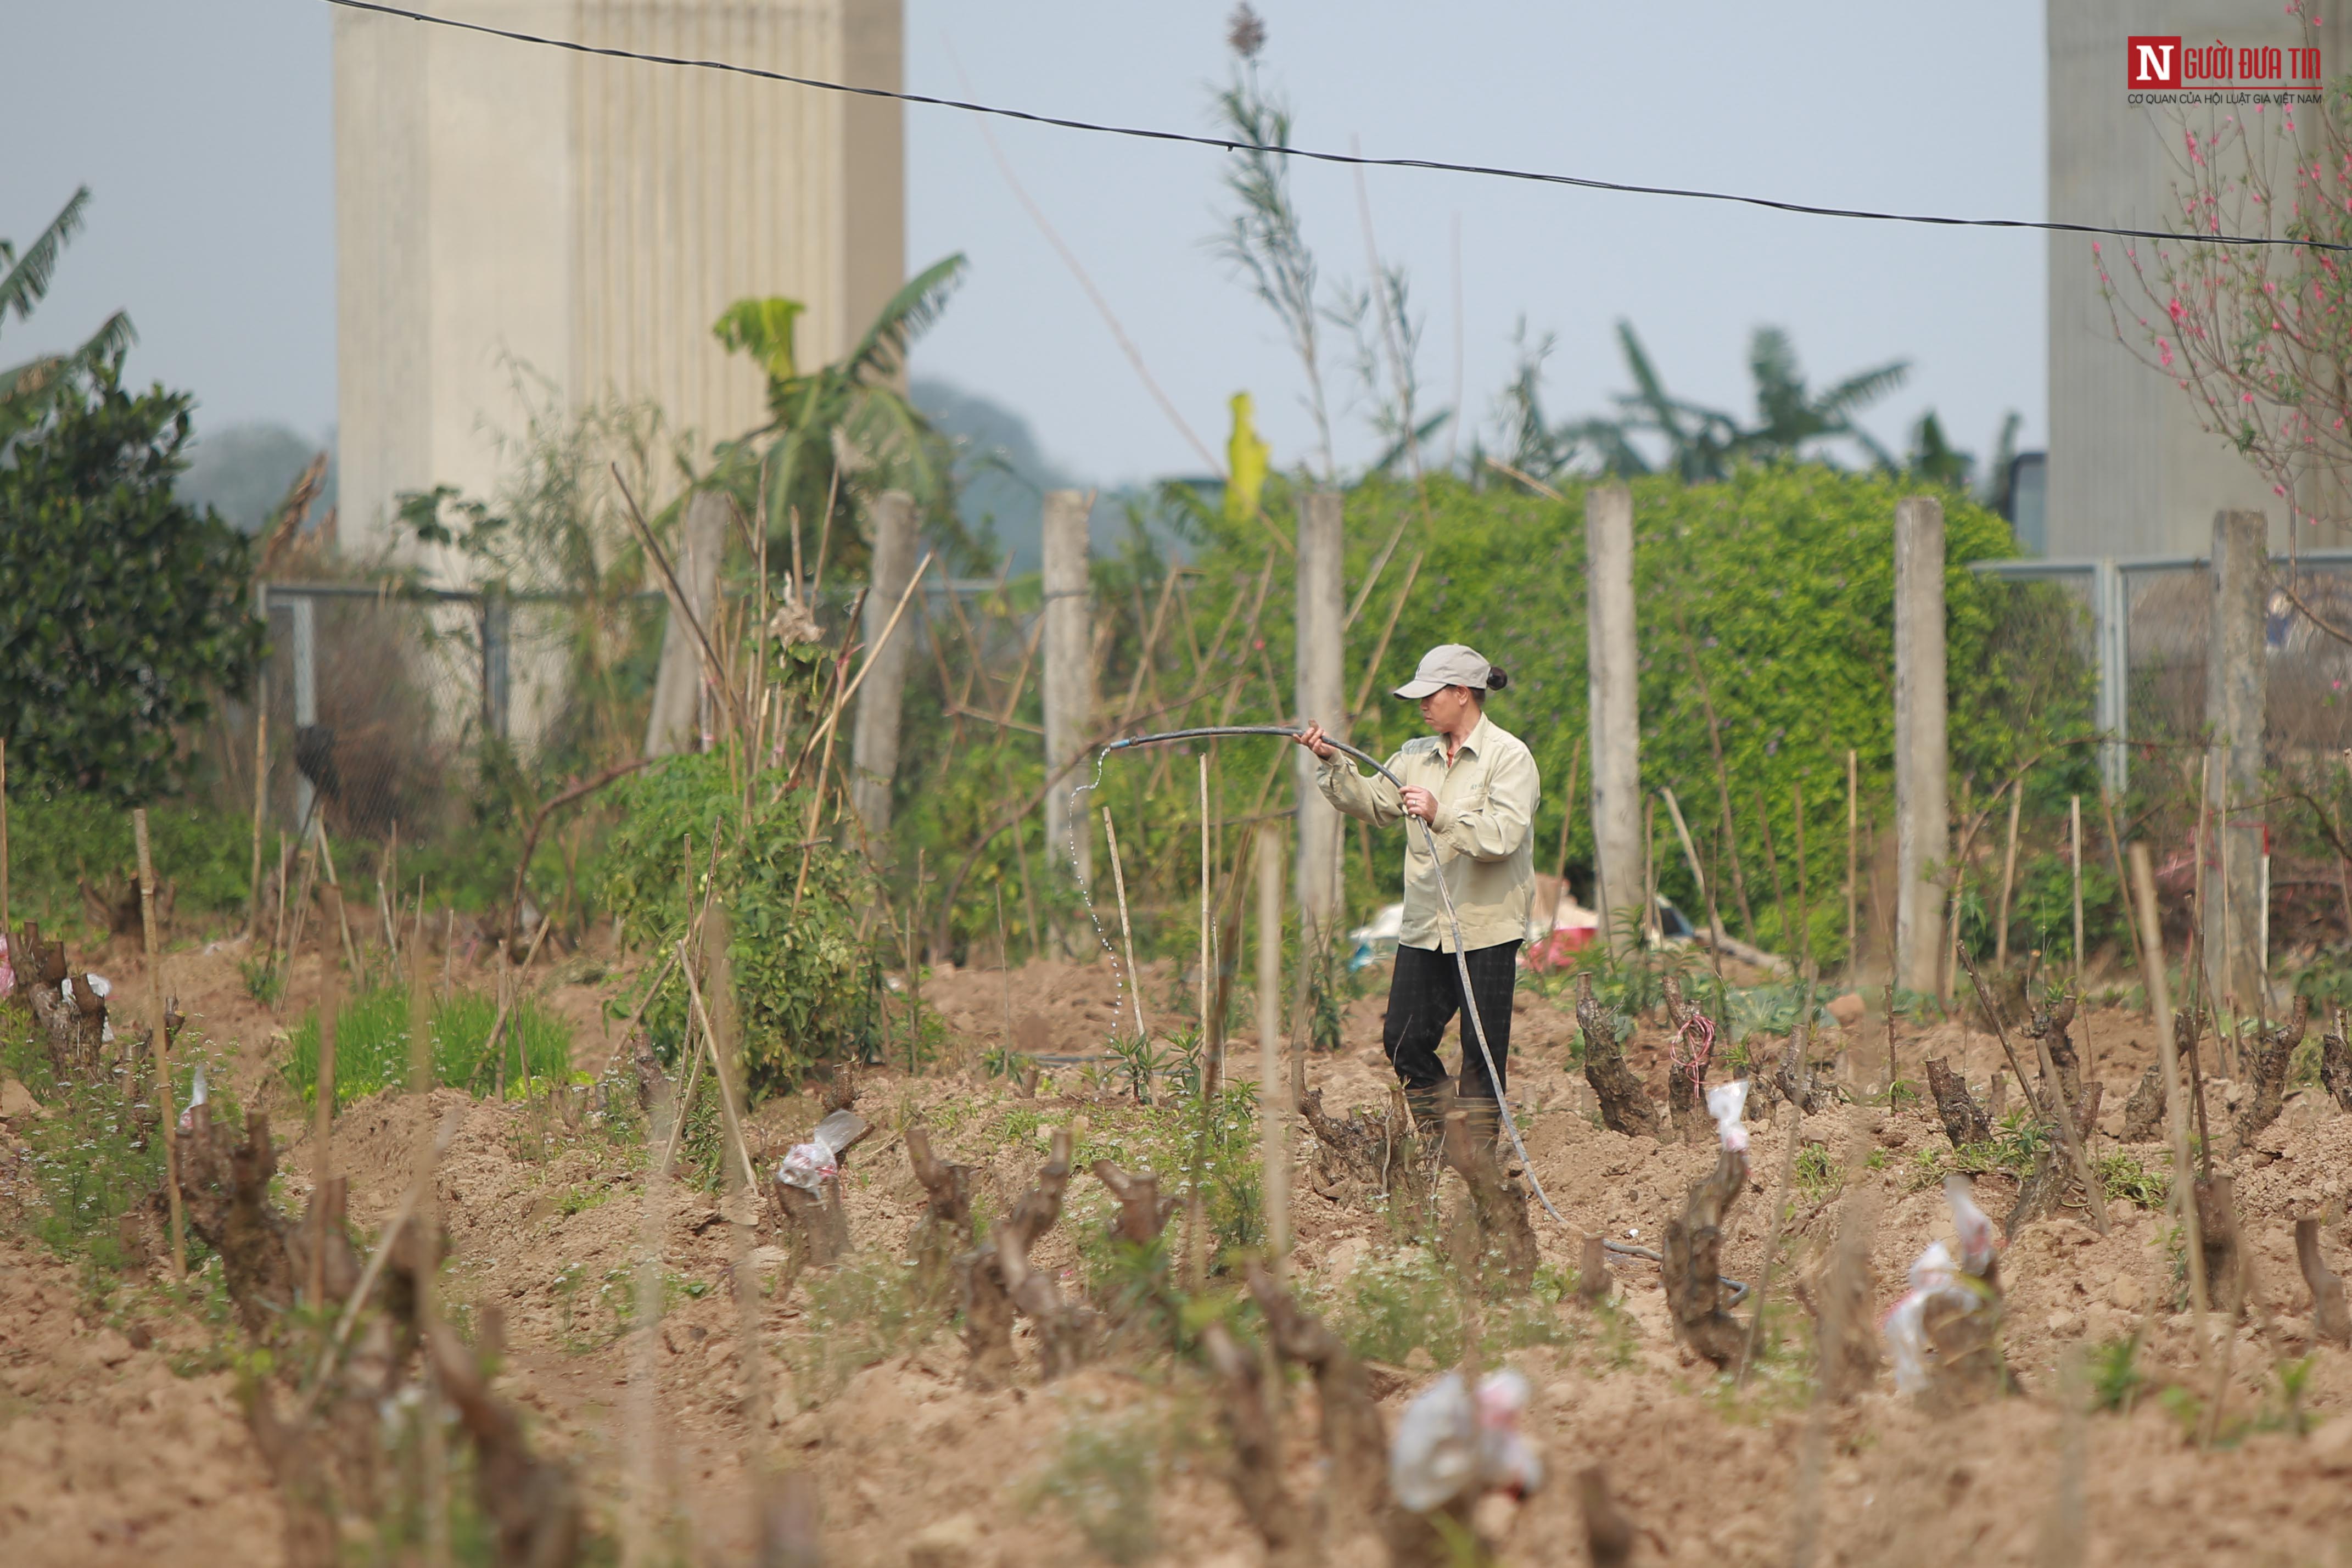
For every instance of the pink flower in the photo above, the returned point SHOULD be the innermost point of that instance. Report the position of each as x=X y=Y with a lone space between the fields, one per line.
x=2278 y=490
x=2176 y=308
x=2165 y=349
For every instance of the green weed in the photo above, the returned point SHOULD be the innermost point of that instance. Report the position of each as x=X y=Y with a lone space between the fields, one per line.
x=371 y=1045
x=2123 y=1177
x=1397 y=1302
x=2115 y=1378
x=863 y=1312
x=1105 y=1480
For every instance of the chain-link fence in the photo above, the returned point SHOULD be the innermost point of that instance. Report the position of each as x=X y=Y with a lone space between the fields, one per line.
x=379 y=704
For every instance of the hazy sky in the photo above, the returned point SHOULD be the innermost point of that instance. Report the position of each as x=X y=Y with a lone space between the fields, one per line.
x=204 y=132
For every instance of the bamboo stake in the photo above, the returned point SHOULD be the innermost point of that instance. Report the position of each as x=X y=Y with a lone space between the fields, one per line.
x=1196 y=1243
x=323 y=1124
x=435 y=1455
x=1274 y=1110
x=260 y=806
x=717 y=1071
x=1852 y=821
x=1804 y=895
x=1126 y=934
x=2074 y=833
x=1004 y=964
x=1212 y=1063
x=1722 y=778
x=1379 y=651
x=6 y=925
x=160 y=1046
x=2124 y=890
x=2008 y=874
x=1705 y=888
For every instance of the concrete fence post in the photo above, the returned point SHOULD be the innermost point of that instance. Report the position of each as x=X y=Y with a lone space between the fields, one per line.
x=874 y=753
x=1922 y=755
x=1616 y=716
x=1322 y=696
x=1069 y=677
x=303 y=609
x=675 y=724
x=2236 y=691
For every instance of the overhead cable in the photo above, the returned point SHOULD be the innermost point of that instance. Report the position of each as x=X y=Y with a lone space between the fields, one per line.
x=1435 y=165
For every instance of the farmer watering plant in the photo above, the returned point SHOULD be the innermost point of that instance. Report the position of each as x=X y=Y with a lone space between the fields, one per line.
x=1474 y=784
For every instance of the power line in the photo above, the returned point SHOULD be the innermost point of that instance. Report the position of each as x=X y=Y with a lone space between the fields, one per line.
x=1435 y=165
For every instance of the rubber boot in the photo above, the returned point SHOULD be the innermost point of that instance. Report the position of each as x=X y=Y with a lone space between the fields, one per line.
x=1428 y=1107
x=1485 y=1119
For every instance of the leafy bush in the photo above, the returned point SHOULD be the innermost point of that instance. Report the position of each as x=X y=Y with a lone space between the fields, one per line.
x=372 y=1044
x=805 y=979
x=122 y=611
x=56 y=842
x=1777 y=585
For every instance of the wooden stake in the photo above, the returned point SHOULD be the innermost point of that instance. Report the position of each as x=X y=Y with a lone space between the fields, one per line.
x=1853 y=822
x=1126 y=935
x=1705 y=888
x=2074 y=834
x=2008 y=874
x=7 y=924
x=160 y=1046
x=2124 y=890
x=1804 y=896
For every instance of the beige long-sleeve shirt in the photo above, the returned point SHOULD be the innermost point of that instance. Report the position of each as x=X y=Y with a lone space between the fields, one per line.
x=1485 y=829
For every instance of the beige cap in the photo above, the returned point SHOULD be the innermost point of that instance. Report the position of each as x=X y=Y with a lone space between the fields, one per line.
x=1448 y=664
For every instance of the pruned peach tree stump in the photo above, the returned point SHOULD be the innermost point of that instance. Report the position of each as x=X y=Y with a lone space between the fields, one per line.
x=1965 y=1121
x=1624 y=1104
x=945 y=1229
x=996 y=1279
x=1499 y=1234
x=2267 y=1065
x=1690 y=1260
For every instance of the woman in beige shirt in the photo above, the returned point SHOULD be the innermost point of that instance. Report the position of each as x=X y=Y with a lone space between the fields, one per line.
x=1475 y=783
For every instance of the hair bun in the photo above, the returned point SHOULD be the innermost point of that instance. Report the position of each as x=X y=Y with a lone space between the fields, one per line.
x=1496 y=678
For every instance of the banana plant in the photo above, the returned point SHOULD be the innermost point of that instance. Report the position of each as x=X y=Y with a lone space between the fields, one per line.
x=27 y=389
x=843 y=432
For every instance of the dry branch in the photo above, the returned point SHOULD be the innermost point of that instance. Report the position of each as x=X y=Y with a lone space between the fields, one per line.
x=532 y=1504
x=1256 y=1472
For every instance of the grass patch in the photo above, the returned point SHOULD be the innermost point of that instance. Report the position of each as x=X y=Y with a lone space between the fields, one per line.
x=372 y=1044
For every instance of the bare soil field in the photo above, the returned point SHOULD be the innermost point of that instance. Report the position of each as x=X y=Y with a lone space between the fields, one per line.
x=124 y=1436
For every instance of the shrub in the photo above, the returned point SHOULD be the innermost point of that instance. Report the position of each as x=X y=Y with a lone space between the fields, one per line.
x=123 y=612
x=805 y=979
x=56 y=842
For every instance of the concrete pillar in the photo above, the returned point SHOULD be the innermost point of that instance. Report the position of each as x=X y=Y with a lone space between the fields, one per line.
x=1922 y=755
x=874 y=756
x=304 y=611
x=1616 y=713
x=2236 y=687
x=2111 y=621
x=1321 y=695
x=674 y=725
x=1069 y=673
x=497 y=666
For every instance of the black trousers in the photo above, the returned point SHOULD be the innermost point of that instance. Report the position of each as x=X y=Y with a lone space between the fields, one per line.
x=1426 y=993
